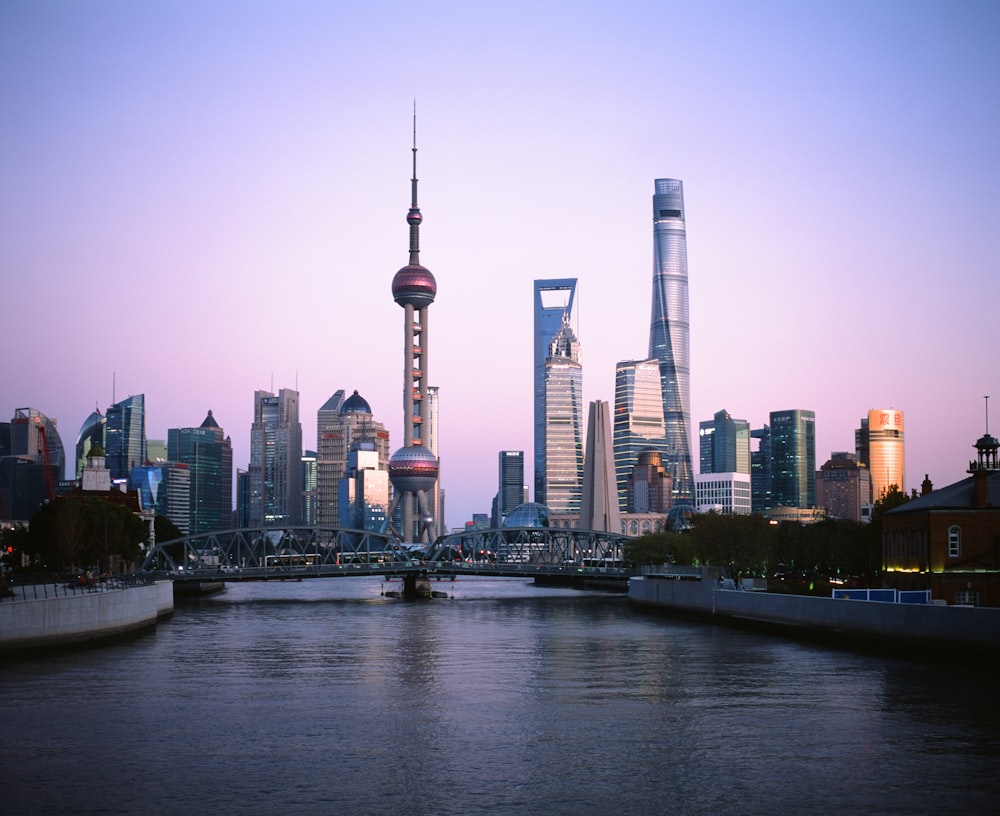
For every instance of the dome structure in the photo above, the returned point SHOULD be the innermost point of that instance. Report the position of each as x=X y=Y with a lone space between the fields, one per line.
x=414 y=285
x=355 y=404
x=530 y=514
x=412 y=469
x=679 y=517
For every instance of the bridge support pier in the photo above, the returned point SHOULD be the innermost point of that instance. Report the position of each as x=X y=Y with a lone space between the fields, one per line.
x=416 y=587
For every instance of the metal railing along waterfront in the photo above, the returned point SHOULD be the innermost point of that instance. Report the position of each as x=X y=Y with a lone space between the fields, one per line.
x=36 y=587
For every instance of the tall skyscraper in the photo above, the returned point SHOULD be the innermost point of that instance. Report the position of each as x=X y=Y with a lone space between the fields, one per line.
x=364 y=490
x=648 y=489
x=600 y=509
x=208 y=454
x=413 y=469
x=432 y=414
x=275 y=460
x=724 y=444
x=669 y=334
x=562 y=477
x=843 y=487
x=92 y=430
x=165 y=490
x=125 y=436
x=338 y=433
x=793 y=459
x=880 y=446
x=510 y=484
x=638 y=423
x=553 y=305
x=760 y=470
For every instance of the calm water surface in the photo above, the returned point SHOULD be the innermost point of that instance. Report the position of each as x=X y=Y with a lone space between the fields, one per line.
x=325 y=697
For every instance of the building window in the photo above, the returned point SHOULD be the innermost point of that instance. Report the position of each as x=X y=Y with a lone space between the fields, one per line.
x=954 y=541
x=967 y=597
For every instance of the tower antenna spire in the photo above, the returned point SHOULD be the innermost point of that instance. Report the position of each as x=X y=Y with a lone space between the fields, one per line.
x=987 y=399
x=413 y=217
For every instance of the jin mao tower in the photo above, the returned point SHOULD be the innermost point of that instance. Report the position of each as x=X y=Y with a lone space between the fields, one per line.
x=670 y=329
x=413 y=469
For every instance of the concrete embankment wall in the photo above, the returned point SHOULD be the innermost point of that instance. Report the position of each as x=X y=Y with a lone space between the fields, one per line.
x=79 y=618
x=839 y=617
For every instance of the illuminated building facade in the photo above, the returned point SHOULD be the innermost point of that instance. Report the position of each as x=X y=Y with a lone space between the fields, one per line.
x=275 y=460
x=638 y=420
x=562 y=392
x=554 y=300
x=670 y=330
x=880 y=446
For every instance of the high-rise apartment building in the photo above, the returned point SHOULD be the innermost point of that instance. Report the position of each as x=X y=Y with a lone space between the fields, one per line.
x=670 y=330
x=275 y=460
x=339 y=431
x=562 y=391
x=510 y=484
x=553 y=307
x=843 y=487
x=880 y=445
x=125 y=436
x=724 y=444
x=208 y=454
x=638 y=420
x=793 y=459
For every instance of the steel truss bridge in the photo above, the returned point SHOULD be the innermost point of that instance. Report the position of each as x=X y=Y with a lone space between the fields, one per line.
x=280 y=553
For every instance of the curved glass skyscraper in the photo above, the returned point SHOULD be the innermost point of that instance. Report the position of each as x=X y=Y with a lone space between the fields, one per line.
x=670 y=329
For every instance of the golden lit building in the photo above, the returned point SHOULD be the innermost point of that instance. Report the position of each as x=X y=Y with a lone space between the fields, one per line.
x=880 y=446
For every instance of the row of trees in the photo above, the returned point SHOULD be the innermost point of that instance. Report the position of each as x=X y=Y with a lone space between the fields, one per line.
x=754 y=546
x=80 y=533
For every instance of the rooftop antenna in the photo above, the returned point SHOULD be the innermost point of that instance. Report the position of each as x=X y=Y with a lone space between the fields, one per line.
x=413 y=217
x=113 y=373
x=987 y=399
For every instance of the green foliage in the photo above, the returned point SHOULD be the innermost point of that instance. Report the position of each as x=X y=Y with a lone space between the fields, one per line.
x=654 y=548
x=82 y=532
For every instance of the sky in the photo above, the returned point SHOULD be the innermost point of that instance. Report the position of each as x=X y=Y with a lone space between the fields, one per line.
x=202 y=199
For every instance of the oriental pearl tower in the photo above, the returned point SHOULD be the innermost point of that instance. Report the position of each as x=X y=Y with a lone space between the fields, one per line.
x=413 y=469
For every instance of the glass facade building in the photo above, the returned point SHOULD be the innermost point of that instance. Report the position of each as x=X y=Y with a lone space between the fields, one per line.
x=880 y=442
x=125 y=436
x=553 y=300
x=208 y=454
x=562 y=391
x=724 y=444
x=760 y=470
x=793 y=459
x=275 y=460
x=91 y=431
x=510 y=481
x=637 y=424
x=670 y=330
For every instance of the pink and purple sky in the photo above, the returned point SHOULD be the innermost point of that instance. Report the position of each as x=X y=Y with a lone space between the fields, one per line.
x=201 y=199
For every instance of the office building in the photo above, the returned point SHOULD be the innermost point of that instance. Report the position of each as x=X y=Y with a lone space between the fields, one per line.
x=638 y=421
x=364 y=490
x=669 y=336
x=275 y=460
x=879 y=444
x=32 y=460
x=724 y=444
x=760 y=470
x=843 y=487
x=164 y=489
x=208 y=454
x=341 y=426
x=649 y=488
x=727 y=493
x=125 y=436
x=310 y=509
x=793 y=459
x=413 y=469
x=35 y=436
x=510 y=485
x=554 y=300
x=562 y=393
x=91 y=431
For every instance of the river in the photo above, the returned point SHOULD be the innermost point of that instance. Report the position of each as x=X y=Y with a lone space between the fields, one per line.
x=505 y=698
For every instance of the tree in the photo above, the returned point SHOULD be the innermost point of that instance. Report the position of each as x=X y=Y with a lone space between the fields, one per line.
x=83 y=532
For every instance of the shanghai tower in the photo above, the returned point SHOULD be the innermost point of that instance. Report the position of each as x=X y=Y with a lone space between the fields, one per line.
x=669 y=332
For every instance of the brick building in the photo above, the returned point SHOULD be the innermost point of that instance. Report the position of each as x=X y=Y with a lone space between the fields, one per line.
x=948 y=540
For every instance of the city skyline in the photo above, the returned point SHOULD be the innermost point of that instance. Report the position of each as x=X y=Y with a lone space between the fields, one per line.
x=201 y=203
